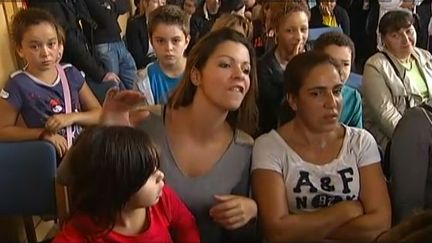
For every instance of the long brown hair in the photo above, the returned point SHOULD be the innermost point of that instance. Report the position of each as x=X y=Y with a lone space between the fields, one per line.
x=245 y=118
x=233 y=20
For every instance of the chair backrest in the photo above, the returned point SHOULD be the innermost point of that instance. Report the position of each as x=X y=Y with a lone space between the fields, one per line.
x=314 y=33
x=355 y=81
x=27 y=176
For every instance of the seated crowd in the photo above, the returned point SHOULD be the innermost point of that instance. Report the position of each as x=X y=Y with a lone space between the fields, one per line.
x=222 y=121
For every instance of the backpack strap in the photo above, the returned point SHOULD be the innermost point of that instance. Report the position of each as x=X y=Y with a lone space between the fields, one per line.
x=67 y=100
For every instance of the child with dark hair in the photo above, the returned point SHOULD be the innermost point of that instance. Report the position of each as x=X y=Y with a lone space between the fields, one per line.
x=204 y=121
x=71 y=15
x=118 y=192
x=169 y=35
x=138 y=42
x=341 y=48
x=53 y=100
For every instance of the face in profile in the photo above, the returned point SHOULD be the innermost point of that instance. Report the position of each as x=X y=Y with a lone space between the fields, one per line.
x=343 y=55
x=149 y=193
x=401 y=43
x=319 y=101
x=293 y=32
x=224 y=80
x=40 y=47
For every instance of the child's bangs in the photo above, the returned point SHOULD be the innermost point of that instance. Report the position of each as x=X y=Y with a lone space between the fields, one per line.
x=153 y=158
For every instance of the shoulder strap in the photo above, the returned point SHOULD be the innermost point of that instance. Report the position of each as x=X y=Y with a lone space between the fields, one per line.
x=392 y=64
x=397 y=73
x=67 y=100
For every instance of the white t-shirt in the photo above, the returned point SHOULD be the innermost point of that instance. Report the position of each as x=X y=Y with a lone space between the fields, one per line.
x=310 y=187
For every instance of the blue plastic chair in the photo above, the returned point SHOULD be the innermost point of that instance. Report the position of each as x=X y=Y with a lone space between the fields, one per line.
x=100 y=89
x=314 y=33
x=355 y=81
x=27 y=181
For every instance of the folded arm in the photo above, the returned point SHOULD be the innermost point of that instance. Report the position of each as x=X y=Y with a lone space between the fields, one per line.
x=376 y=204
x=281 y=226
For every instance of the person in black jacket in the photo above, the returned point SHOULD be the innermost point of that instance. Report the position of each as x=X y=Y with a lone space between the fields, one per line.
x=109 y=48
x=232 y=7
x=424 y=14
x=271 y=67
x=202 y=20
x=328 y=14
x=263 y=35
x=68 y=13
x=137 y=34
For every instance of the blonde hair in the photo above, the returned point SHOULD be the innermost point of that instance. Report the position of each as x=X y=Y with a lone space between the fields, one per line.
x=234 y=20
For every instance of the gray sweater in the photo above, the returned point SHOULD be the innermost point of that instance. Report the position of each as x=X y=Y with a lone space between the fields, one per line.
x=230 y=175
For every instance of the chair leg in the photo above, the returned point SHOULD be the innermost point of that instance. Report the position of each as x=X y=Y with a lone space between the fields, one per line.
x=30 y=229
